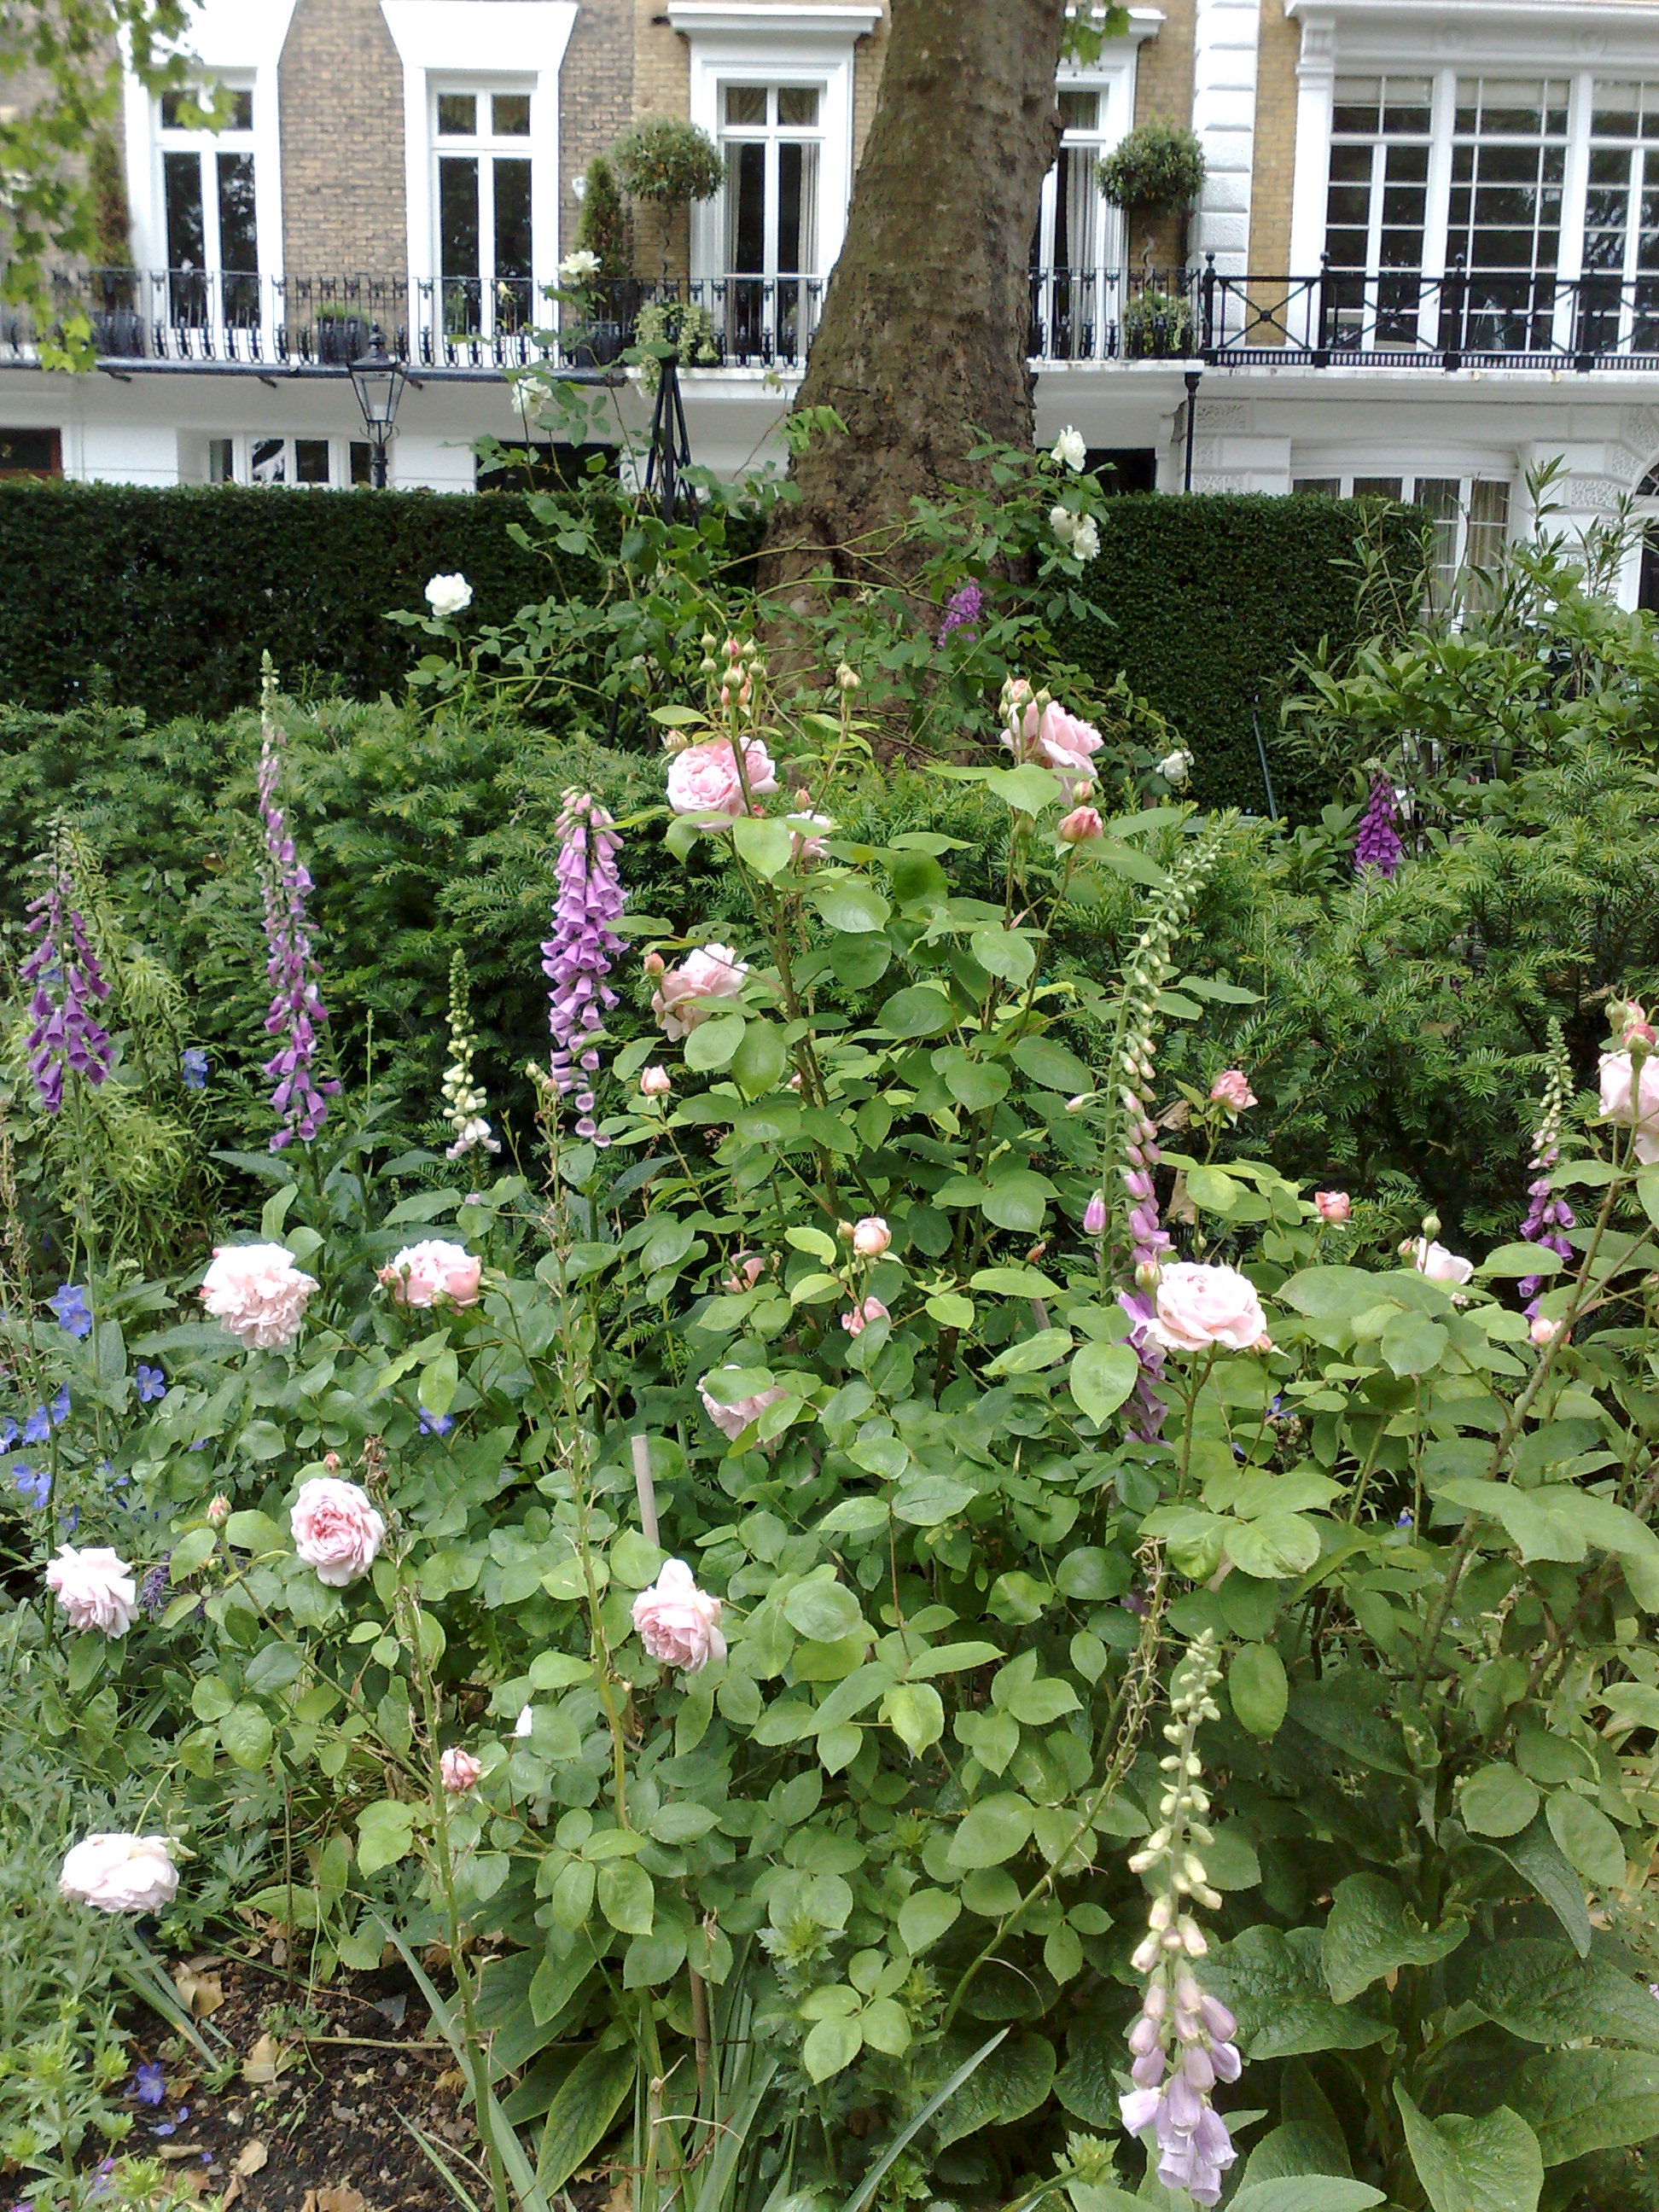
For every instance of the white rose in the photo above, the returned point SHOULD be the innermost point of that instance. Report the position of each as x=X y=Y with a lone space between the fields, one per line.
x=1439 y=1265
x=1176 y=767
x=1069 y=450
x=448 y=595
x=578 y=268
x=120 y=1874
x=1085 y=539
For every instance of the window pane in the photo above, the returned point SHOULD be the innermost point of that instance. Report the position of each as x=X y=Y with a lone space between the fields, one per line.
x=1377 y=487
x=182 y=180
x=746 y=202
x=221 y=462
x=458 y=115
x=798 y=103
x=746 y=103
x=457 y=216
x=1317 y=487
x=270 y=461
x=362 y=461
x=512 y=254
x=509 y=114
x=1079 y=111
x=1489 y=517
x=311 y=461
x=798 y=179
x=238 y=244
x=241 y=112
x=173 y=110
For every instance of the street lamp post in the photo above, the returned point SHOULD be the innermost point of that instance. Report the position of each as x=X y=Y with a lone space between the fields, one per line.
x=379 y=382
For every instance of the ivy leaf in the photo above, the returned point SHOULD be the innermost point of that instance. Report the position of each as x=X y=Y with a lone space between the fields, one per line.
x=1489 y=2165
x=1369 y=1932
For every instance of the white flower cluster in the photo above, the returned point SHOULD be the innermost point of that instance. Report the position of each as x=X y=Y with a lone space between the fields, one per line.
x=1078 y=533
x=1180 y=1814
x=576 y=270
x=463 y=1099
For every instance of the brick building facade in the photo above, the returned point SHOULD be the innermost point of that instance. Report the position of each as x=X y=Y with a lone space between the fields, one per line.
x=1425 y=256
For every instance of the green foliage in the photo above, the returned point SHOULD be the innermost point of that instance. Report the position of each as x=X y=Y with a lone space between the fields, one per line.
x=1155 y=167
x=113 y=217
x=602 y=227
x=166 y=599
x=1205 y=603
x=668 y=162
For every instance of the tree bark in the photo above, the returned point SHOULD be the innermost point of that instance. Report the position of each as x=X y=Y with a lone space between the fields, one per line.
x=923 y=341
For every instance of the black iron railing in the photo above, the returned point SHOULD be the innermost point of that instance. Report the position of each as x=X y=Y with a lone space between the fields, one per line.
x=1394 y=318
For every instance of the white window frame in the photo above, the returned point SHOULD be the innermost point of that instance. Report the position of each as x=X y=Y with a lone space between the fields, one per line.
x=242 y=443
x=240 y=45
x=460 y=46
x=1444 y=39
x=754 y=42
x=483 y=147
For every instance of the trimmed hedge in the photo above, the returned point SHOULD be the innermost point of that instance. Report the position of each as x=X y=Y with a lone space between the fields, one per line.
x=174 y=594
x=1212 y=596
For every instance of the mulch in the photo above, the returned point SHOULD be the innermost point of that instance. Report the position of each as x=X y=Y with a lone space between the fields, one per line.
x=305 y=2110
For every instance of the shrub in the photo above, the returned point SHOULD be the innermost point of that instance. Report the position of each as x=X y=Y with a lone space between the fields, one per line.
x=602 y=228
x=668 y=162
x=1158 y=166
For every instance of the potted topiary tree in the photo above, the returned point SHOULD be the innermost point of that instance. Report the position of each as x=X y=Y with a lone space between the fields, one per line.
x=117 y=328
x=669 y=164
x=607 y=296
x=1158 y=168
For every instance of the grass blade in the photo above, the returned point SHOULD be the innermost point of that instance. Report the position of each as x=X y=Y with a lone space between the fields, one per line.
x=145 y=1978
x=871 y=2181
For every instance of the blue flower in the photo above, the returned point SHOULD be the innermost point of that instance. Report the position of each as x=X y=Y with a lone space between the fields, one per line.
x=193 y=1064
x=60 y=1405
x=150 y=1384
x=69 y=1522
x=436 y=1424
x=69 y=1302
x=7 y=1435
x=1404 y=1520
x=37 y=1488
x=38 y=1427
x=149 y=2084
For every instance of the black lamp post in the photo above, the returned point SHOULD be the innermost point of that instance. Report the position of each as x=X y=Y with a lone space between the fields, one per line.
x=379 y=382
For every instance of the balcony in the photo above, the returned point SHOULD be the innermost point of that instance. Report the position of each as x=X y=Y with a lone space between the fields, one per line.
x=188 y=319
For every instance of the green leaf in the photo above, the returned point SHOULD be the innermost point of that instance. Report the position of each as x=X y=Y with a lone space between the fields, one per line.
x=1051 y=1064
x=1101 y=1377
x=1274 y=1982
x=1017 y=1200
x=1014 y=1281
x=922 y=1010
x=1005 y=953
x=764 y=842
x=1306 y=2192
x=825 y=1612
x=1536 y=1856
x=1489 y=2165
x=950 y=1310
x=627 y=1897
x=252 y=1532
x=991 y=1832
x=760 y=1059
x=1369 y=1933
x=1515 y=1260
x=1029 y=788
x=191 y=1552
x=850 y=905
x=916 y=1713
x=1497 y=1800
x=1011 y=2083
x=925 y=1916
x=1213 y=1189
x=1413 y=1345
x=1588 y=1838
x=1542 y=1992
x=438 y=1378
x=830 y=2046
x=386 y=1830
x=1579 y=2101
x=712 y=1043
x=245 y=1733
x=587 y=2102
x=1029 y=1355
x=1259 y=1690
x=1299 y=2147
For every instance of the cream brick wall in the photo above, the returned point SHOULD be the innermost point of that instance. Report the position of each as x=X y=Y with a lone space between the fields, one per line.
x=1164 y=93
x=596 y=94
x=341 y=89
x=1275 y=141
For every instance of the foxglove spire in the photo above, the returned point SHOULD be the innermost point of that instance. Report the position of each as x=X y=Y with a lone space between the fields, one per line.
x=297 y=1012
x=579 y=955
x=1376 y=844
x=64 y=973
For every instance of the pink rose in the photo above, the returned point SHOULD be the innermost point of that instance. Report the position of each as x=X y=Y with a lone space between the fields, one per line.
x=423 y=1273
x=120 y=1874
x=1333 y=1205
x=871 y=1237
x=704 y=779
x=807 y=837
x=335 y=1530
x=677 y=1623
x=858 y=1320
x=259 y=1294
x=1639 y=1112
x=1080 y=827
x=714 y=971
x=460 y=1770
x=1631 y=1020
x=1233 y=1091
x=1200 y=1307
x=655 y=1082
x=1439 y=1265
x=1543 y=1330
x=732 y=1420
x=94 y=1587
x=746 y=1271
x=1060 y=739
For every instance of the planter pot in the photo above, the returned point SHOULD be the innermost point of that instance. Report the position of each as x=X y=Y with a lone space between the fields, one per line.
x=341 y=339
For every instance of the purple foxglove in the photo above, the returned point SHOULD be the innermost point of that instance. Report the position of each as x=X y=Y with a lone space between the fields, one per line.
x=963 y=611
x=64 y=973
x=579 y=955
x=1376 y=844
x=297 y=1012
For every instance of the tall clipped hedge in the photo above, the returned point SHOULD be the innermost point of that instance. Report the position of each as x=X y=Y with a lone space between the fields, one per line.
x=1211 y=597
x=174 y=594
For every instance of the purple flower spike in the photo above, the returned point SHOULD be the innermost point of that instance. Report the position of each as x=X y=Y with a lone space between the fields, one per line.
x=65 y=972
x=1376 y=844
x=579 y=955
x=963 y=611
x=297 y=1012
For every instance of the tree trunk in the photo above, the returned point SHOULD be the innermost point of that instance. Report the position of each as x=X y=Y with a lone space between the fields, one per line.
x=926 y=327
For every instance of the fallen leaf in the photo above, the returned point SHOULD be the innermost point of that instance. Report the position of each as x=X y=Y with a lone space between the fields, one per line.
x=200 y=1994
x=343 y=2197
x=178 y=2150
x=392 y=2009
x=251 y=2157
x=452 y=2080
x=621 y=2198
x=231 y=2195
x=264 y=2061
